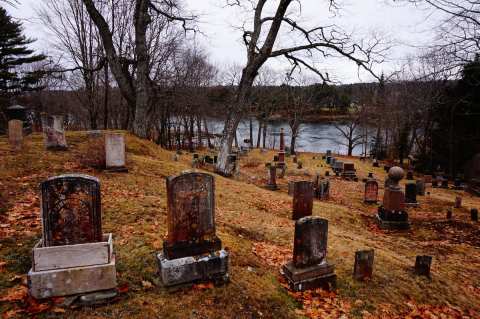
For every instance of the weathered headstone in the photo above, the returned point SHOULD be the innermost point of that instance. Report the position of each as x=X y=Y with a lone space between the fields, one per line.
x=309 y=268
x=302 y=199
x=272 y=177
x=449 y=213
x=321 y=187
x=474 y=214
x=428 y=179
x=420 y=187
x=349 y=171
x=392 y=213
x=338 y=166
x=73 y=257
x=15 y=134
x=444 y=183
x=363 y=268
x=422 y=265
x=411 y=193
x=115 y=152
x=458 y=202
x=54 y=132
x=329 y=160
x=371 y=190
x=192 y=251
x=410 y=175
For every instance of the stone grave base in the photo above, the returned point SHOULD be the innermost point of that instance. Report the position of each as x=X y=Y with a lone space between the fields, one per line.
x=72 y=269
x=349 y=176
x=72 y=281
x=312 y=277
x=392 y=224
x=192 y=269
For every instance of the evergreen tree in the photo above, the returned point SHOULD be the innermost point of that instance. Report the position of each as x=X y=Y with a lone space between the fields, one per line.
x=15 y=57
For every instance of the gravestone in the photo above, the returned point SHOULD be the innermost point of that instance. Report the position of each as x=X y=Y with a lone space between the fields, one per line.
x=474 y=214
x=15 y=134
x=54 y=132
x=309 y=268
x=411 y=193
x=392 y=214
x=449 y=213
x=115 y=152
x=444 y=183
x=321 y=187
x=422 y=265
x=272 y=177
x=329 y=153
x=302 y=199
x=363 y=267
x=410 y=175
x=329 y=160
x=420 y=187
x=458 y=202
x=281 y=154
x=349 y=171
x=333 y=161
x=192 y=251
x=428 y=179
x=338 y=167
x=375 y=163
x=73 y=257
x=371 y=190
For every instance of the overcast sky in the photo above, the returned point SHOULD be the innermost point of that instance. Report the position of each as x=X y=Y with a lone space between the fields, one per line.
x=408 y=27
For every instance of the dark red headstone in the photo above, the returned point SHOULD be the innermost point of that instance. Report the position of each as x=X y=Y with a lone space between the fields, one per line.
x=302 y=199
x=310 y=243
x=71 y=210
x=191 y=216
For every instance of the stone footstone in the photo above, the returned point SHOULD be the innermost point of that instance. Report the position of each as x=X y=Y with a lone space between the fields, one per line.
x=363 y=268
x=422 y=265
x=97 y=298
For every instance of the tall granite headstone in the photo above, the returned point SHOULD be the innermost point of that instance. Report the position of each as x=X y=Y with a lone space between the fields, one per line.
x=309 y=268
x=192 y=251
x=302 y=199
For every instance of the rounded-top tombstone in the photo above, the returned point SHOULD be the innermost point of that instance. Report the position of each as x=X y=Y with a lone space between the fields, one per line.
x=395 y=174
x=71 y=210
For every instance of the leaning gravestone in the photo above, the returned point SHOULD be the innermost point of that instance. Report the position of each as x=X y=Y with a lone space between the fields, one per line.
x=73 y=257
x=309 y=268
x=115 y=152
x=302 y=199
x=192 y=251
x=392 y=213
x=15 y=134
x=54 y=132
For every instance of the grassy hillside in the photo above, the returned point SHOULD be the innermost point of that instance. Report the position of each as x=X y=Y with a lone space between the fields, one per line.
x=254 y=225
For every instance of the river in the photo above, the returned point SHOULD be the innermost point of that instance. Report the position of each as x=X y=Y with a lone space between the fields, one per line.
x=314 y=137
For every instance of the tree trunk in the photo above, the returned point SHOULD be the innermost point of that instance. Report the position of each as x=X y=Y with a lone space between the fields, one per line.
x=228 y=136
x=259 y=136
x=251 y=132
x=264 y=135
x=105 y=100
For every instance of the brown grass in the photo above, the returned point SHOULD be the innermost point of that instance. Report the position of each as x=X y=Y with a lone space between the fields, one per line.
x=254 y=225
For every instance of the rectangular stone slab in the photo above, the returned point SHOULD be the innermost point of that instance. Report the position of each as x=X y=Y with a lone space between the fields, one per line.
x=326 y=281
x=68 y=256
x=194 y=268
x=299 y=274
x=72 y=281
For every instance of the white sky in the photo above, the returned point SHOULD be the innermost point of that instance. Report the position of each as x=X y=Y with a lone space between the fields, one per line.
x=408 y=27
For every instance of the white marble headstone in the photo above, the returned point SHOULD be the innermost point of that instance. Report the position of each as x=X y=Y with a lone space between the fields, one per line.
x=114 y=150
x=15 y=134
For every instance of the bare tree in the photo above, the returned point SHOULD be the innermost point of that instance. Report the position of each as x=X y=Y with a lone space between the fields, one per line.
x=133 y=73
x=260 y=41
x=350 y=129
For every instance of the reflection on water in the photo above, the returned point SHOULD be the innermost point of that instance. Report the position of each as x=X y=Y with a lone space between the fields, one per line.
x=314 y=137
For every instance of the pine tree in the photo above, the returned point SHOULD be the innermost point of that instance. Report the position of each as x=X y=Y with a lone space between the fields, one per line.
x=15 y=57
